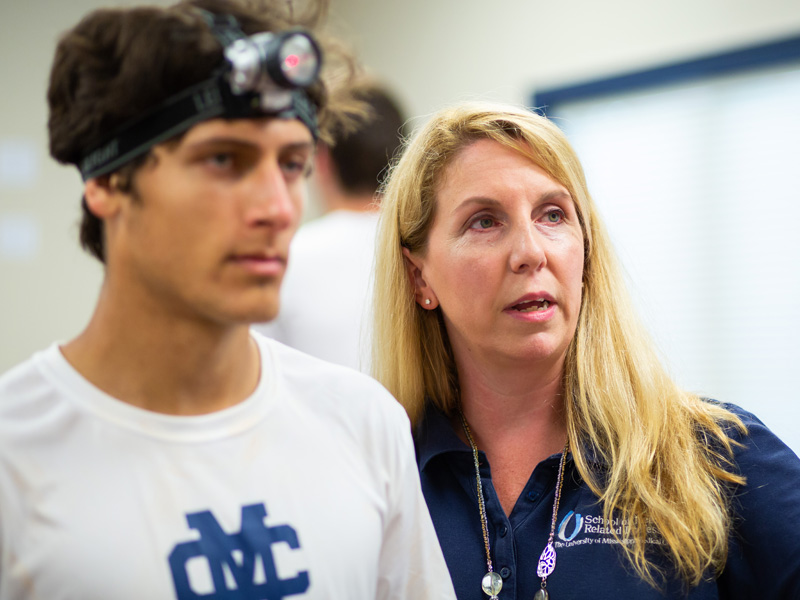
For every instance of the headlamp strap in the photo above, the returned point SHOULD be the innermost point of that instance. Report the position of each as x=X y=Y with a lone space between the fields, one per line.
x=304 y=110
x=206 y=100
x=224 y=27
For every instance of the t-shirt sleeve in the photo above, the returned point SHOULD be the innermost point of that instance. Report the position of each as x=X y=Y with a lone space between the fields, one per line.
x=764 y=554
x=411 y=560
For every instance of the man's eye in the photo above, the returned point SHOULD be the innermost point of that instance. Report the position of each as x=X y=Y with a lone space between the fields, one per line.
x=296 y=167
x=221 y=160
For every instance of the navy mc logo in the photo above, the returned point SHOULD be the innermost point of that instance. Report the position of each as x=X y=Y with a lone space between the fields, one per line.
x=236 y=553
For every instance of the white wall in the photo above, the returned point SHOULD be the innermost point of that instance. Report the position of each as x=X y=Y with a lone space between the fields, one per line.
x=48 y=286
x=435 y=52
x=432 y=52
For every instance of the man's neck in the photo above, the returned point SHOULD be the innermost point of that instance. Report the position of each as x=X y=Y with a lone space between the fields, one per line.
x=163 y=364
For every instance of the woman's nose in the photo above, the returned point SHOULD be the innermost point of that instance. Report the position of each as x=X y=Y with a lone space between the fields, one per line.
x=527 y=249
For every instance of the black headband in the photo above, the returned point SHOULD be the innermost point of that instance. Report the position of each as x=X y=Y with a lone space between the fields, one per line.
x=218 y=96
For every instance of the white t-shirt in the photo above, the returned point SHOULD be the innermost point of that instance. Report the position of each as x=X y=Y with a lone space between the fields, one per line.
x=307 y=489
x=325 y=295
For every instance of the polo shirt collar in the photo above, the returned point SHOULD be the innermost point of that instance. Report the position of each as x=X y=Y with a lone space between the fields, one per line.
x=435 y=435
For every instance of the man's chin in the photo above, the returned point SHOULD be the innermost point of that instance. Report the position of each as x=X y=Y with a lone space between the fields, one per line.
x=263 y=315
x=245 y=311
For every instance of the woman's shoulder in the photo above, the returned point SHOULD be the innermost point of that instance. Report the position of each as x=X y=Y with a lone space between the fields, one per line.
x=744 y=415
x=764 y=556
x=753 y=435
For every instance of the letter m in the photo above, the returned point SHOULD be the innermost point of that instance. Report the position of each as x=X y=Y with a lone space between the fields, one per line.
x=236 y=555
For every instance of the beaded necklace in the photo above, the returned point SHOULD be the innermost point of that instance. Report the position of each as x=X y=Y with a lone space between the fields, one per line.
x=492 y=583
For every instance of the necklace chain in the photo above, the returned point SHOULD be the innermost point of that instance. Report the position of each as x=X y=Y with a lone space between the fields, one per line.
x=479 y=486
x=492 y=583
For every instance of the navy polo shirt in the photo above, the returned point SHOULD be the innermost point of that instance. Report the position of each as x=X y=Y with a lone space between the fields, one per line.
x=764 y=555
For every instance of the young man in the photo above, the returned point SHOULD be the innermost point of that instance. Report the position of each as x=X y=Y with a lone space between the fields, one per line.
x=332 y=256
x=165 y=452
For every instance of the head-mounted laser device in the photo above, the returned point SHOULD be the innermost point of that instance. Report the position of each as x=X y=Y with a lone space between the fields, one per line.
x=265 y=74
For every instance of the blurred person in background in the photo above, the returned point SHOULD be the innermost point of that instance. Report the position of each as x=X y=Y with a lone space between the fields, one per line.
x=167 y=451
x=557 y=456
x=325 y=295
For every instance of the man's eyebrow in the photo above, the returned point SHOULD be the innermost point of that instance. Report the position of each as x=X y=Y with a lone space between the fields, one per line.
x=236 y=141
x=222 y=139
x=297 y=146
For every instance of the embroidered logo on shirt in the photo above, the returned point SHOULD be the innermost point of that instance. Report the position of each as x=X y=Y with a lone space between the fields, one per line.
x=597 y=530
x=562 y=529
x=234 y=566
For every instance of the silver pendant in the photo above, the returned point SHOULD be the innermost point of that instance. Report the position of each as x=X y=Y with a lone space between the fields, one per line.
x=541 y=595
x=491 y=584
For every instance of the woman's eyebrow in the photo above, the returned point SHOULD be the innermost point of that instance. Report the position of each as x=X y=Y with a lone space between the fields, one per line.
x=492 y=202
x=476 y=201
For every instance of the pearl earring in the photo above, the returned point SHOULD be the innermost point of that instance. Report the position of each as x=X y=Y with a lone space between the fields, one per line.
x=427 y=300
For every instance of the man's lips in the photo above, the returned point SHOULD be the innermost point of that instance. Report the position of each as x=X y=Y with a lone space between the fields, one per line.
x=262 y=264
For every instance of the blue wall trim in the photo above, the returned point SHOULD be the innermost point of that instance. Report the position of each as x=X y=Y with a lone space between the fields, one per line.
x=765 y=55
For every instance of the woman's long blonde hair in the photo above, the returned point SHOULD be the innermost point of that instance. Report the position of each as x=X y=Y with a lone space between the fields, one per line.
x=667 y=452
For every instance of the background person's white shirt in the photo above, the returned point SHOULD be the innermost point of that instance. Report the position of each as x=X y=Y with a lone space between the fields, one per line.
x=326 y=293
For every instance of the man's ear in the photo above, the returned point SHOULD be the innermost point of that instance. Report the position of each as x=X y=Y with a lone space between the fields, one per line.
x=423 y=294
x=322 y=159
x=102 y=195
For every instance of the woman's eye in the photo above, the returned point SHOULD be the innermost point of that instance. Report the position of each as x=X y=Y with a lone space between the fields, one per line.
x=554 y=216
x=483 y=223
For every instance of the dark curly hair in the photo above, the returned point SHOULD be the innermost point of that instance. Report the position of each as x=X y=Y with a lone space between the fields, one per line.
x=117 y=64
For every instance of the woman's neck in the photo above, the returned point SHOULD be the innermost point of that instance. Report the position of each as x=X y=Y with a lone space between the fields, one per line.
x=516 y=421
x=499 y=398
x=497 y=413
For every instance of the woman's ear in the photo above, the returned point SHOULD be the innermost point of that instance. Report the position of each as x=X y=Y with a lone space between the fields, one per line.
x=423 y=294
x=102 y=196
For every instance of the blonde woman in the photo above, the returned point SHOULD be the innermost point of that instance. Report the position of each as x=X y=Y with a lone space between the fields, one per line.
x=557 y=457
